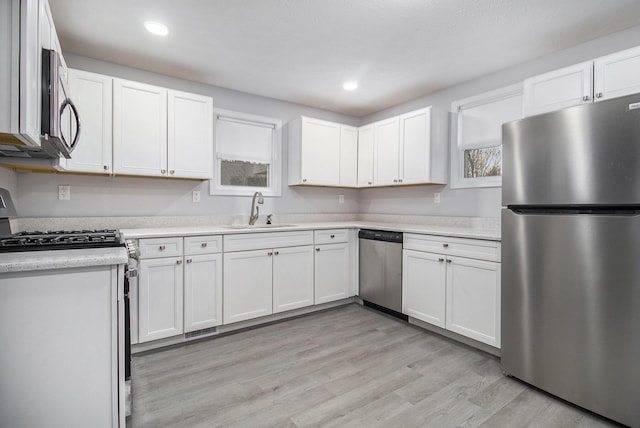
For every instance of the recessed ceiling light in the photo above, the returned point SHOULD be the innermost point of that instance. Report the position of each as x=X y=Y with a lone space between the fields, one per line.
x=156 y=28
x=350 y=85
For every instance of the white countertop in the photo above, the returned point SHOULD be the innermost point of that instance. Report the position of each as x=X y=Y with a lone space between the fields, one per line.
x=60 y=259
x=451 y=231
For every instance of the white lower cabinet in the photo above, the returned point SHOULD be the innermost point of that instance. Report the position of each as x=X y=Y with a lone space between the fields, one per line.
x=332 y=273
x=247 y=285
x=459 y=294
x=202 y=291
x=424 y=286
x=160 y=298
x=292 y=278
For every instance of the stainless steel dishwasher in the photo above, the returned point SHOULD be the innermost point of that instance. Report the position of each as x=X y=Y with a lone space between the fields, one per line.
x=381 y=270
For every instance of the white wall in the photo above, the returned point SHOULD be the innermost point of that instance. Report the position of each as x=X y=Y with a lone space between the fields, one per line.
x=126 y=196
x=122 y=196
x=477 y=202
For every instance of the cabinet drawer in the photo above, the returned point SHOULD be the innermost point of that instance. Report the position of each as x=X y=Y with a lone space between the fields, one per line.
x=471 y=248
x=160 y=247
x=258 y=241
x=202 y=245
x=331 y=236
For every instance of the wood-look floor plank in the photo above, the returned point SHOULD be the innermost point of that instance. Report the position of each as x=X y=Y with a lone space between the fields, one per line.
x=347 y=367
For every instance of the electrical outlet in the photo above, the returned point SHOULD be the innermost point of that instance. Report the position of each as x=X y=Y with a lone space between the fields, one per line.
x=341 y=199
x=436 y=198
x=64 y=193
x=196 y=196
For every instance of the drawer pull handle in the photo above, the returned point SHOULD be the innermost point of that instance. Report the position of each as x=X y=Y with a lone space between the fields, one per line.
x=445 y=245
x=203 y=245
x=178 y=262
x=162 y=247
x=333 y=236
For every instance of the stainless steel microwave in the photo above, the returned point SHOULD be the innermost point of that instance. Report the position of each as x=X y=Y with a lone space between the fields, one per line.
x=60 y=123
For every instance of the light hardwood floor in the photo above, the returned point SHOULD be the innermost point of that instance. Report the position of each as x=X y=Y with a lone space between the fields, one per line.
x=346 y=367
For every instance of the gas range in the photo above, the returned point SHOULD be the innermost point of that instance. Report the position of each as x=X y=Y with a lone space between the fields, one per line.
x=61 y=240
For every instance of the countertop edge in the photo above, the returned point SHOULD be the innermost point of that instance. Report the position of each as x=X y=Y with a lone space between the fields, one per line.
x=61 y=259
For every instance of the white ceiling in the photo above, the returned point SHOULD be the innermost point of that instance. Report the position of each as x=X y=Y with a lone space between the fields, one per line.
x=303 y=50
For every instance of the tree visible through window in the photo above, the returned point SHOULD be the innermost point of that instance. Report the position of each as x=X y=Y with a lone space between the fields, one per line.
x=484 y=162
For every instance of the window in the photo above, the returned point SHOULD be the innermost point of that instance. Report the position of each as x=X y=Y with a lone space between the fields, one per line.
x=247 y=151
x=476 y=148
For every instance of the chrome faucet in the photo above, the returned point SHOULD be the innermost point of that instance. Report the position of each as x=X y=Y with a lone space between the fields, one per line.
x=254 y=217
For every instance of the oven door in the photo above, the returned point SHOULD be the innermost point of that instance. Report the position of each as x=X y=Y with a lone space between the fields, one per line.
x=60 y=120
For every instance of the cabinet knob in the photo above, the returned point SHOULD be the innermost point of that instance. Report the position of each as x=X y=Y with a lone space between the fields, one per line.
x=172 y=172
x=448 y=260
x=445 y=245
x=189 y=260
x=586 y=98
x=317 y=249
x=440 y=259
x=369 y=183
x=304 y=180
x=203 y=245
x=163 y=171
x=276 y=252
x=162 y=248
x=106 y=167
x=395 y=181
x=270 y=253
x=400 y=180
x=333 y=236
x=178 y=262
x=599 y=95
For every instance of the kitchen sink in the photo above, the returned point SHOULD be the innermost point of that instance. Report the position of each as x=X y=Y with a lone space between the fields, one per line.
x=258 y=226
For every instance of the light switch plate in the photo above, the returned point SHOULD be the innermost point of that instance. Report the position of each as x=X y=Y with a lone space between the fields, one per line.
x=64 y=193
x=196 y=196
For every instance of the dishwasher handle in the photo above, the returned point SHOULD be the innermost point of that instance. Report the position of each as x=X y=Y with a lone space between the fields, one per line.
x=380 y=235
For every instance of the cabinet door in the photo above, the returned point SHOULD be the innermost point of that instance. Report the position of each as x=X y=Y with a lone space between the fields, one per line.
x=348 y=156
x=424 y=286
x=617 y=74
x=92 y=94
x=558 y=89
x=190 y=135
x=415 y=147
x=247 y=291
x=387 y=151
x=473 y=299
x=292 y=278
x=332 y=279
x=31 y=69
x=202 y=291
x=365 y=156
x=320 y=157
x=160 y=298
x=139 y=129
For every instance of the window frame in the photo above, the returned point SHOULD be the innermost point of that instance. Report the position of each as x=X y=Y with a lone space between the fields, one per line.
x=275 y=167
x=458 y=180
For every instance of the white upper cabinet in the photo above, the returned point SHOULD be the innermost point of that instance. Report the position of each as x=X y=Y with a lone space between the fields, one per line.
x=558 y=89
x=410 y=149
x=606 y=77
x=348 y=156
x=139 y=129
x=92 y=94
x=617 y=74
x=322 y=153
x=160 y=132
x=190 y=135
x=365 y=156
x=386 y=152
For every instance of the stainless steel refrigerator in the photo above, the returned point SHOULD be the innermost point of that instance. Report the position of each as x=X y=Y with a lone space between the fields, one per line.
x=571 y=255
